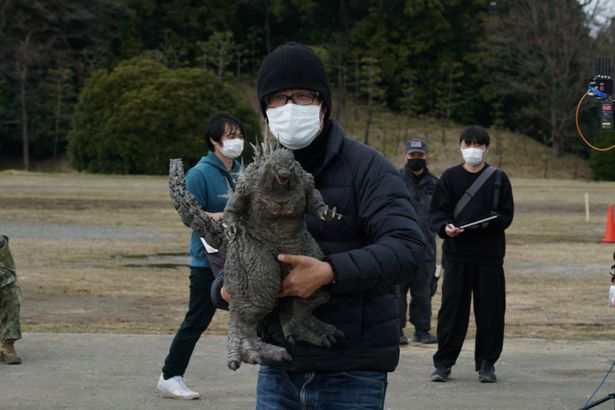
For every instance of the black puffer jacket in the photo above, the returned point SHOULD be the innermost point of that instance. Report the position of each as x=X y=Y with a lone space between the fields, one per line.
x=376 y=245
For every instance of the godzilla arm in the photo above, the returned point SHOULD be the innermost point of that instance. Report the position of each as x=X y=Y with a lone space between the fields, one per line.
x=315 y=205
x=237 y=205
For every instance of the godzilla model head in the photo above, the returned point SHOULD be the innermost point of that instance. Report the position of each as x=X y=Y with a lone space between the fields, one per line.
x=277 y=169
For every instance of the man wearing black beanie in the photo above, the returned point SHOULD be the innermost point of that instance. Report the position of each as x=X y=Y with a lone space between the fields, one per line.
x=376 y=245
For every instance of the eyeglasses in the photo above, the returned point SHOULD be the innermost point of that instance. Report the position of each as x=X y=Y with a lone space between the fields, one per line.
x=300 y=98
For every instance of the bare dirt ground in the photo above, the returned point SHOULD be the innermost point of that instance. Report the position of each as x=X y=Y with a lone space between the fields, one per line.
x=109 y=254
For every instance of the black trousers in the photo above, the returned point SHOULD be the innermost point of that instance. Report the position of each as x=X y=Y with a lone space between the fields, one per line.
x=419 y=286
x=199 y=315
x=486 y=284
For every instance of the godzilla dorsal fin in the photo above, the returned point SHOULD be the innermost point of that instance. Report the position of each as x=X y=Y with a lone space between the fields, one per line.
x=255 y=150
x=267 y=147
x=229 y=188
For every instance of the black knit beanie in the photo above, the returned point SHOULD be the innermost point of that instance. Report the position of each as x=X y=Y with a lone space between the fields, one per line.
x=292 y=65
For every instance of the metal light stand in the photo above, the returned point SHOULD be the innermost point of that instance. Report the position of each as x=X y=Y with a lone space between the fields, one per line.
x=600 y=401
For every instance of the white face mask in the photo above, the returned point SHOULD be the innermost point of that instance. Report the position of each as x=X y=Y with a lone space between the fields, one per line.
x=232 y=148
x=472 y=156
x=295 y=126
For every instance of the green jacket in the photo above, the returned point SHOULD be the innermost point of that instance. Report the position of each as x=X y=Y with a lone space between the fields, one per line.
x=7 y=264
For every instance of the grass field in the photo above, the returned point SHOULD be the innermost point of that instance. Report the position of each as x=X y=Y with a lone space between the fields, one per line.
x=108 y=254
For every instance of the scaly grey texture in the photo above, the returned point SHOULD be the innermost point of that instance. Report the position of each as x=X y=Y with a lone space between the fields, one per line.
x=263 y=218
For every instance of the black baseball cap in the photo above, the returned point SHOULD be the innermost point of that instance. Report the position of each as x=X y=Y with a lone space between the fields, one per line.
x=416 y=145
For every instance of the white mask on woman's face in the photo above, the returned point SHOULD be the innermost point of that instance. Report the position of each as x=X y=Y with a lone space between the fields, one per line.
x=472 y=156
x=295 y=126
x=232 y=148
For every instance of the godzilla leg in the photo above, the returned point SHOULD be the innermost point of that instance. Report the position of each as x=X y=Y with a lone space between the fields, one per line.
x=298 y=322
x=243 y=343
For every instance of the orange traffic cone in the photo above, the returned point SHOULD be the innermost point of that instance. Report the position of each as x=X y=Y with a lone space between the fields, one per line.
x=609 y=233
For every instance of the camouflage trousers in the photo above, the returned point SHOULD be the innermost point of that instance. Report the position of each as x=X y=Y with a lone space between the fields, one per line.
x=10 y=298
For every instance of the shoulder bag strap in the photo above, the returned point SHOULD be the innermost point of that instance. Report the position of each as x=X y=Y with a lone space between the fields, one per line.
x=471 y=191
x=496 y=192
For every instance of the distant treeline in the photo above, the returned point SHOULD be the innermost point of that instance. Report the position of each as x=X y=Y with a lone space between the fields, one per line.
x=516 y=64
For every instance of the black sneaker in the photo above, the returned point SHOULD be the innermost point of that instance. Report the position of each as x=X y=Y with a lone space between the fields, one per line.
x=486 y=374
x=403 y=340
x=423 y=337
x=441 y=374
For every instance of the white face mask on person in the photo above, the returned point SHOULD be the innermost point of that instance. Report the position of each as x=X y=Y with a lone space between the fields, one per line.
x=472 y=156
x=295 y=126
x=232 y=148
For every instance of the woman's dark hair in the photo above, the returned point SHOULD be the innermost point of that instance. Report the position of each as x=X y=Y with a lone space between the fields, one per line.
x=214 y=128
x=475 y=134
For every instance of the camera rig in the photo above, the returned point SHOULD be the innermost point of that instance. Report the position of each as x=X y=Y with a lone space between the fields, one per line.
x=600 y=87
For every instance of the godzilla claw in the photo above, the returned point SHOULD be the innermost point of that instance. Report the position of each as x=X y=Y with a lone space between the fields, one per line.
x=311 y=330
x=331 y=339
x=330 y=214
x=253 y=351
x=230 y=230
x=251 y=357
x=326 y=342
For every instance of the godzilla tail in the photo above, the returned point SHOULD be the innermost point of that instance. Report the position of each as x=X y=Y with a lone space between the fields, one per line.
x=191 y=213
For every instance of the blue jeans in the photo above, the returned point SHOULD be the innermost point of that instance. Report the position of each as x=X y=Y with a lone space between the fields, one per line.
x=278 y=389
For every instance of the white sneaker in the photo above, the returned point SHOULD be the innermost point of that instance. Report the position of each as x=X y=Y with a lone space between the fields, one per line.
x=176 y=388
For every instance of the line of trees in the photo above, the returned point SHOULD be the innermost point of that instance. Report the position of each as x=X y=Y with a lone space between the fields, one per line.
x=520 y=64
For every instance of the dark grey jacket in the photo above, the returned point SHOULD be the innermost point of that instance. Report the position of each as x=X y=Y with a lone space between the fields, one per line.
x=421 y=190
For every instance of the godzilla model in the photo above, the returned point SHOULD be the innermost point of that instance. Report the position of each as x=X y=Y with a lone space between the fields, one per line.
x=264 y=217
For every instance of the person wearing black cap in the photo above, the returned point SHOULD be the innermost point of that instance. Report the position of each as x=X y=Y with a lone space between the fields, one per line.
x=421 y=185
x=376 y=245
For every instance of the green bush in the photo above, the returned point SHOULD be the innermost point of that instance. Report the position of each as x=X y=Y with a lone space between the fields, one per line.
x=602 y=163
x=133 y=119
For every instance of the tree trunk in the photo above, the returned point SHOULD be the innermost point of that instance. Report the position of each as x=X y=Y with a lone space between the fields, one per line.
x=340 y=86
x=368 y=122
x=57 y=113
x=238 y=64
x=267 y=28
x=449 y=104
x=23 y=76
x=356 y=88
x=369 y=104
x=221 y=61
x=545 y=171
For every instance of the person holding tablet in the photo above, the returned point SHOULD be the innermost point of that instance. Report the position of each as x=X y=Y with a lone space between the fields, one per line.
x=470 y=209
